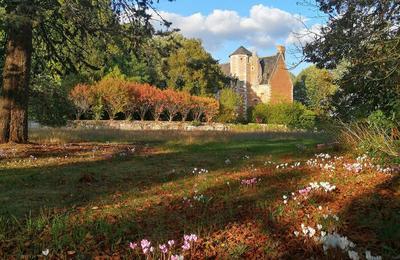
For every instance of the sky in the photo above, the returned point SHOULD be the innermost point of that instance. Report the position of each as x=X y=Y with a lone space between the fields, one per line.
x=224 y=25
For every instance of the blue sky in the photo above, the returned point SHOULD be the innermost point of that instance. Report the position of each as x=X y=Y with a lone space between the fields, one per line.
x=224 y=25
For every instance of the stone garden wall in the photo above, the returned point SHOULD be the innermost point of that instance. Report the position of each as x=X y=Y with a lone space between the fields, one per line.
x=146 y=125
x=181 y=126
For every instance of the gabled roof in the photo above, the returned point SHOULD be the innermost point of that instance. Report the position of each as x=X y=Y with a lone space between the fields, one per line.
x=241 y=51
x=268 y=65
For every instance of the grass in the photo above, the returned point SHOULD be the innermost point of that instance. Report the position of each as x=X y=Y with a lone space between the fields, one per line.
x=87 y=193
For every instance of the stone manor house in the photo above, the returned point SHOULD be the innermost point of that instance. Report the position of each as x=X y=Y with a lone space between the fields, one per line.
x=259 y=79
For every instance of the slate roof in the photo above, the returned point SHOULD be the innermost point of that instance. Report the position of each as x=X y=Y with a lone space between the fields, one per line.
x=241 y=51
x=267 y=66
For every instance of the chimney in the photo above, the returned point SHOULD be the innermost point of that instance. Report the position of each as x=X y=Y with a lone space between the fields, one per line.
x=281 y=50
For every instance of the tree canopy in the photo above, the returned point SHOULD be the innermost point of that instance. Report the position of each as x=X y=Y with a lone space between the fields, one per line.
x=192 y=69
x=314 y=88
x=362 y=38
x=61 y=37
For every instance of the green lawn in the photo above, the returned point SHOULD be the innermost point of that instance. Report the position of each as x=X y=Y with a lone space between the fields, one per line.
x=89 y=193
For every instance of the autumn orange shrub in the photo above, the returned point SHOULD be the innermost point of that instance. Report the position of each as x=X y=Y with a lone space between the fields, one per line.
x=185 y=104
x=115 y=96
x=159 y=98
x=144 y=99
x=211 y=108
x=171 y=103
x=198 y=107
x=80 y=97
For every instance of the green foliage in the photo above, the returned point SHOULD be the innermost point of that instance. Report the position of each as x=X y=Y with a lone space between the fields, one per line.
x=259 y=114
x=293 y=115
x=362 y=39
x=192 y=69
x=128 y=67
x=314 y=87
x=372 y=139
x=49 y=104
x=230 y=102
x=379 y=119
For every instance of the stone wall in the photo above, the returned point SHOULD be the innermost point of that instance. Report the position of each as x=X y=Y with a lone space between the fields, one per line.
x=180 y=126
x=146 y=125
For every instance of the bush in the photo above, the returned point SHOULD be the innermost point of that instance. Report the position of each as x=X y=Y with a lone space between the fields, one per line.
x=378 y=119
x=80 y=97
x=362 y=137
x=293 y=115
x=259 y=113
x=115 y=95
x=185 y=105
x=48 y=102
x=230 y=103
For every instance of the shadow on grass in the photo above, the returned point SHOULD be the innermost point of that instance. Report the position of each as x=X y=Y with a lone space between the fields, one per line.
x=98 y=183
x=172 y=217
x=373 y=219
x=31 y=188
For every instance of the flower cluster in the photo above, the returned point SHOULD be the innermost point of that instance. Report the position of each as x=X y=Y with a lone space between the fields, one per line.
x=197 y=197
x=337 y=241
x=353 y=167
x=250 y=182
x=164 y=251
x=323 y=156
x=199 y=170
x=288 y=165
x=188 y=241
x=326 y=186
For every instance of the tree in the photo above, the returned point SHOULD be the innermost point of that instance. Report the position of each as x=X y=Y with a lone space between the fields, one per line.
x=61 y=28
x=314 y=87
x=159 y=100
x=211 y=106
x=365 y=36
x=185 y=105
x=192 y=69
x=204 y=107
x=114 y=94
x=144 y=99
x=80 y=97
x=48 y=103
x=171 y=103
x=230 y=102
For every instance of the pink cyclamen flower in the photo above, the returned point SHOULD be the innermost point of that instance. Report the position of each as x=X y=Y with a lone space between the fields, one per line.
x=145 y=243
x=132 y=245
x=193 y=237
x=176 y=257
x=163 y=248
x=186 y=245
x=152 y=249
x=171 y=243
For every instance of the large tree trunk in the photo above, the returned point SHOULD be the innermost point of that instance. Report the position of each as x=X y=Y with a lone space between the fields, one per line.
x=16 y=74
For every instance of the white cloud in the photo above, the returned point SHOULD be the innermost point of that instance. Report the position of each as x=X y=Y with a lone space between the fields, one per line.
x=304 y=35
x=263 y=28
